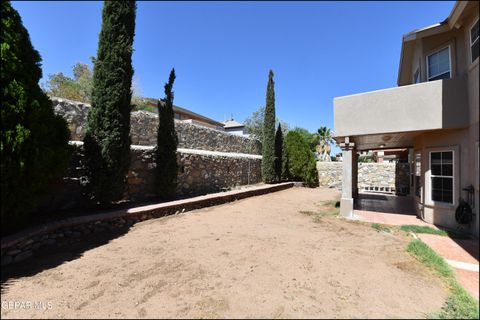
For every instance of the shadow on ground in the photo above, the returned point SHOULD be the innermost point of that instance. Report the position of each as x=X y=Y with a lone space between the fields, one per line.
x=46 y=258
x=385 y=203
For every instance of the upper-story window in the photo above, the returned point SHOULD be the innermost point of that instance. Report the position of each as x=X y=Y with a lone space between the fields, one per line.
x=438 y=65
x=474 y=42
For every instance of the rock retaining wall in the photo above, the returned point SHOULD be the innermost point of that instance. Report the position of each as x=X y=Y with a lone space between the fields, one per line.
x=143 y=130
x=200 y=172
x=379 y=177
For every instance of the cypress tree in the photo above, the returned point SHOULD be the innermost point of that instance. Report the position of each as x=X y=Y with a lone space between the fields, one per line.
x=167 y=141
x=278 y=153
x=268 y=147
x=34 y=141
x=107 y=136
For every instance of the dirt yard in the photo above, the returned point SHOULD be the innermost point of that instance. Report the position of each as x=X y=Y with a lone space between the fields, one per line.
x=269 y=256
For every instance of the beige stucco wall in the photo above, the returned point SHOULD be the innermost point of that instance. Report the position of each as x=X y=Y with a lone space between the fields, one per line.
x=424 y=106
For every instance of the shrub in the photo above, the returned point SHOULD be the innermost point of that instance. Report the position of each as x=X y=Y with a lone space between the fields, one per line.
x=107 y=136
x=167 y=141
x=301 y=161
x=34 y=141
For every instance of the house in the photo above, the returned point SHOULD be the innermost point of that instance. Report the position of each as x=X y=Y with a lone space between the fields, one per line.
x=188 y=115
x=234 y=127
x=434 y=112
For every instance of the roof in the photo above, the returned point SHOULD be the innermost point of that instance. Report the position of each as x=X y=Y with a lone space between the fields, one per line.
x=184 y=111
x=408 y=41
x=232 y=124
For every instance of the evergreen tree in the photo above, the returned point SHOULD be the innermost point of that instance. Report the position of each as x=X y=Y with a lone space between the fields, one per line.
x=34 y=141
x=301 y=164
x=278 y=153
x=107 y=137
x=167 y=141
x=268 y=147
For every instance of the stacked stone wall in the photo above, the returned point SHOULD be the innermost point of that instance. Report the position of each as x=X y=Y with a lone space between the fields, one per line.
x=376 y=177
x=143 y=130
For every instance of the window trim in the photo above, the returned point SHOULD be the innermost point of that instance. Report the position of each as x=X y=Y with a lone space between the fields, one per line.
x=416 y=75
x=470 y=41
x=449 y=61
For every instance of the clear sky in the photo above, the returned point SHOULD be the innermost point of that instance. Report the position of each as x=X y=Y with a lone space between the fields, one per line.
x=222 y=51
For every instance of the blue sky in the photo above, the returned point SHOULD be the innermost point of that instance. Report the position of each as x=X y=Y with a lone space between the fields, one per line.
x=222 y=51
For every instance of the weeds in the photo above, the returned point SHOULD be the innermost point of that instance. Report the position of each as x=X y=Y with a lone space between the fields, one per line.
x=460 y=304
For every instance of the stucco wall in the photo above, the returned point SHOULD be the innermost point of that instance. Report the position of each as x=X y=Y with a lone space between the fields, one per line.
x=143 y=130
x=380 y=177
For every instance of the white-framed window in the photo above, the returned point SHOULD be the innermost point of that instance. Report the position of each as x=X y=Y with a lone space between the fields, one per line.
x=416 y=76
x=438 y=65
x=418 y=174
x=473 y=35
x=442 y=176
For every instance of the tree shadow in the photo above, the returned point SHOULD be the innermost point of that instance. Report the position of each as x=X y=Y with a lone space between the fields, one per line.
x=49 y=257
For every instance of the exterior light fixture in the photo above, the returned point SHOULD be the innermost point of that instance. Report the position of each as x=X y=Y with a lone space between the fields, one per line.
x=382 y=146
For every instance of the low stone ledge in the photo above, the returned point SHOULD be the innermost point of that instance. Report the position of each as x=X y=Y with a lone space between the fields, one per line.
x=20 y=246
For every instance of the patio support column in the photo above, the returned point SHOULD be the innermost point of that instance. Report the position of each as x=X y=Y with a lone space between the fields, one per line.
x=349 y=179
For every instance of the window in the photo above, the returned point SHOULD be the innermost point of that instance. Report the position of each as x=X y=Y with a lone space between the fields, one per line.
x=416 y=77
x=441 y=168
x=418 y=174
x=474 y=42
x=438 y=65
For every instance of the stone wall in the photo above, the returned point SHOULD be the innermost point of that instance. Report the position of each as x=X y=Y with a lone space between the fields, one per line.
x=143 y=130
x=200 y=172
x=380 y=177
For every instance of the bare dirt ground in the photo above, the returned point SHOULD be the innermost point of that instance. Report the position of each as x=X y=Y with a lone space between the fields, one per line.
x=269 y=256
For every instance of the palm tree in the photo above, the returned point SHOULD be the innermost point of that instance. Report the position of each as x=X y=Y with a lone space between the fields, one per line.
x=325 y=139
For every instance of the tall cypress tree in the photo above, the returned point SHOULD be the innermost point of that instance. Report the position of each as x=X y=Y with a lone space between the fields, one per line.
x=33 y=141
x=268 y=147
x=107 y=137
x=167 y=141
x=278 y=153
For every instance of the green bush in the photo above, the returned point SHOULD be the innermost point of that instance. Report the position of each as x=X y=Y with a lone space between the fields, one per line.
x=34 y=141
x=300 y=159
x=107 y=136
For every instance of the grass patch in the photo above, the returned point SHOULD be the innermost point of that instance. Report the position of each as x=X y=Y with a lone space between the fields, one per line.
x=430 y=230
x=423 y=229
x=460 y=304
x=380 y=227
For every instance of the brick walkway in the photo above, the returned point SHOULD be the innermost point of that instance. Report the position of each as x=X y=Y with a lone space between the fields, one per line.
x=462 y=255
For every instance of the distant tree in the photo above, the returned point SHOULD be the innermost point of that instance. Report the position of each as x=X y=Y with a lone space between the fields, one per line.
x=78 y=88
x=301 y=161
x=254 y=124
x=167 y=141
x=34 y=141
x=107 y=137
x=278 y=153
x=268 y=146
x=324 y=140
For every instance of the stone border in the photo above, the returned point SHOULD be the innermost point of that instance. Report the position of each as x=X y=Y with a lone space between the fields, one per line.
x=21 y=243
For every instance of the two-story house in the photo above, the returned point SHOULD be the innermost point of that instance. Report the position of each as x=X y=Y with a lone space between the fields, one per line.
x=434 y=111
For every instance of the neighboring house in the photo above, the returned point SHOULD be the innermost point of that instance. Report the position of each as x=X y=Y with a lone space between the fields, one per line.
x=434 y=111
x=188 y=116
x=234 y=127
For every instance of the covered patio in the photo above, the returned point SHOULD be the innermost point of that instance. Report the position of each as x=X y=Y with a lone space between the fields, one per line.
x=386 y=209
